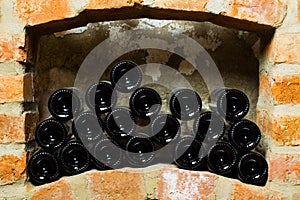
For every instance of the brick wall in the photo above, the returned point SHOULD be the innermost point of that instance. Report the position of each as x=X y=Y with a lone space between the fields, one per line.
x=278 y=109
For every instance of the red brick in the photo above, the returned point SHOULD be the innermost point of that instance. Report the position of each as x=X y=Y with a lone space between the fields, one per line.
x=269 y=12
x=286 y=89
x=111 y=185
x=241 y=191
x=12 y=168
x=56 y=190
x=35 y=12
x=284 y=48
x=284 y=129
x=280 y=89
x=284 y=167
x=12 y=129
x=16 y=88
x=12 y=49
x=17 y=129
x=182 y=184
x=265 y=86
x=188 y=5
x=100 y=4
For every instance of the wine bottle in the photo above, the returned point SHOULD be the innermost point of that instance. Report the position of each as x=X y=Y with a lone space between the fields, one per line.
x=145 y=102
x=119 y=125
x=100 y=97
x=50 y=134
x=165 y=154
x=139 y=150
x=164 y=129
x=232 y=104
x=63 y=104
x=185 y=104
x=222 y=158
x=208 y=127
x=126 y=76
x=74 y=158
x=253 y=169
x=107 y=155
x=244 y=135
x=43 y=168
x=189 y=153
x=87 y=127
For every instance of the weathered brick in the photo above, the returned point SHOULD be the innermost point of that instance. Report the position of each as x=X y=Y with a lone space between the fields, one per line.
x=110 y=185
x=12 y=168
x=96 y=4
x=265 y=86
x=16 y=88
x=284 y=167
x=182 y=184
x=11 y=49
x=35 y=12
x=269 y=12
x=286 y=89
x=280 y=89
x=284 y=129
x=188 y=5
x=241 y=191
x=12 y=129
x=284 y=48
x=31 y=120
x=56 y=190
x=17 y=129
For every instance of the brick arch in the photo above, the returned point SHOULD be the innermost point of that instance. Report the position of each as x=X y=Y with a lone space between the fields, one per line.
x=279 y=82
x=64 y=14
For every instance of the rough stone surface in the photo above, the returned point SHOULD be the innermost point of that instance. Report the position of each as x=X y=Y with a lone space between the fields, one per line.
x=60 y=58
x=112 y=185
x=12 y=168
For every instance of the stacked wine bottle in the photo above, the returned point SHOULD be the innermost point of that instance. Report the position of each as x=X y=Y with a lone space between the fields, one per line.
x=104 y=136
